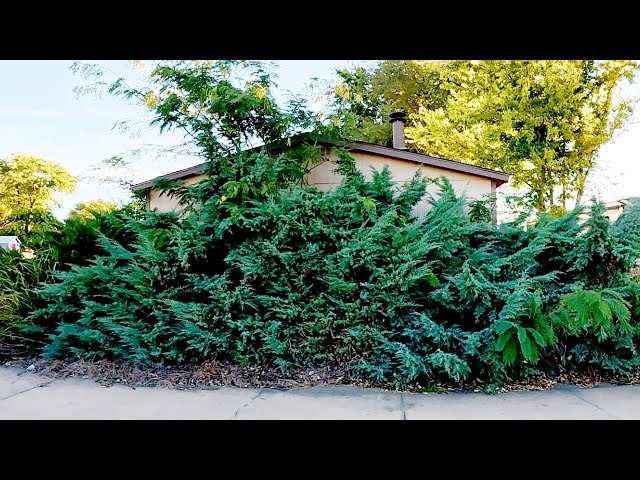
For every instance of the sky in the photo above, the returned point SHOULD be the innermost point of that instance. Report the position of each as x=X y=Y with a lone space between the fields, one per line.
x=40 y=115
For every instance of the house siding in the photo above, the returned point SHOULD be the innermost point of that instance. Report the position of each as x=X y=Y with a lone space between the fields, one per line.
x=613 y=209
x=474 y=187
x=164 y=203
x=324 y=178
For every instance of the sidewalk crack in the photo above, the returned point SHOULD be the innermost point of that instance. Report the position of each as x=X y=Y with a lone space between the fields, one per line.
x=597 y=406
x=251 y=400
x=404 y=411
x=28 y=389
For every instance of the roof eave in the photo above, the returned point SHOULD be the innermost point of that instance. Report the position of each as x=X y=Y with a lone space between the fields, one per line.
x=184 y=173
x=498 y=177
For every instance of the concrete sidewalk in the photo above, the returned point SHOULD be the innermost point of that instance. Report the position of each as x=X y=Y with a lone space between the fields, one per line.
x=26 y=395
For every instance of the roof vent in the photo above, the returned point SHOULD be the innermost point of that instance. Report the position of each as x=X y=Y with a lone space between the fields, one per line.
x=397 y=120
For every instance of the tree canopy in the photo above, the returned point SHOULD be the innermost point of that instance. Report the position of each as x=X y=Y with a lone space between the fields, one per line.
x=90 y=207
x=541 y=121
x=28 y=189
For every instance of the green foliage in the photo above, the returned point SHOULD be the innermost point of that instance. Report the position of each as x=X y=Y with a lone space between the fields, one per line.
x=481 y=211
x=595 y=312
x=73 y=242
x=303 y=277
x=27 y=191
x=541 y=121
x=260 y=269
x=523 y=330
x=625 y=230
x=19 y=278
x=364 y=97
x=90 y=208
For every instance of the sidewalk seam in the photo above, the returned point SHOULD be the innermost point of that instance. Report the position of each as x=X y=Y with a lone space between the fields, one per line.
x=402 y=406
x=29 y=389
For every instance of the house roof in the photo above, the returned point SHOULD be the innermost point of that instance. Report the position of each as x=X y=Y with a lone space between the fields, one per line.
x=499 y=177
x=620 y=202
x=359 y=146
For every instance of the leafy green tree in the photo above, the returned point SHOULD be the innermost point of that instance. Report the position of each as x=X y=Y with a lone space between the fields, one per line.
x=28 y=189
x=89 y=208
x=364 y=97
x=541 y=121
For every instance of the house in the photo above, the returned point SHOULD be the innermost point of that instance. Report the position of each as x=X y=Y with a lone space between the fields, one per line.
x=10 y=242
x=616 y=207
x=613 y=209
x=474 y=182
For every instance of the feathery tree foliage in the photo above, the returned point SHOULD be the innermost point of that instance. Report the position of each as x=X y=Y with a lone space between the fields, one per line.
x=541 y=121
x=309 y=278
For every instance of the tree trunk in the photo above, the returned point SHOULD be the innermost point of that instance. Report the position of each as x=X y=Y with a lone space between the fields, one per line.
x=540 y=201
x=580 y=190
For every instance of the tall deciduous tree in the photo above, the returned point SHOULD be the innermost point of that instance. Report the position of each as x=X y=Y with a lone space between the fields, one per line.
x=28 y=188
x=364 y=97
x=541 y=121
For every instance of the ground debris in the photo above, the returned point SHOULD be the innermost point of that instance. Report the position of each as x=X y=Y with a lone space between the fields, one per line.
x=9 y=351
x=209 y=375
x=215 y=374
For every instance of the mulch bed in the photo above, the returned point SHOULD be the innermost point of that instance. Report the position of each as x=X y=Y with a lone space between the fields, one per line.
x=206 y=376
x=10 y=351
x=212 y=375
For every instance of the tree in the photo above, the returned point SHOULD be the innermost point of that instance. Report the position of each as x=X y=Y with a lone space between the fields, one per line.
x=223 y=108
x=89 y=208
x=541 y=121
x=364 y=98
x=28 y=188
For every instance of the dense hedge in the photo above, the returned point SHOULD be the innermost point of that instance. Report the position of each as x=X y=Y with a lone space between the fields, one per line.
x=297 y=277
x=18 y=278
x=58 y=246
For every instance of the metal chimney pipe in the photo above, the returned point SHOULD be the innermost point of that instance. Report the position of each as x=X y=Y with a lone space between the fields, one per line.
x=397 y=120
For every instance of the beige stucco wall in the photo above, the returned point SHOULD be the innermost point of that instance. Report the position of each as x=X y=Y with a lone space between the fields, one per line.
x=324 y=178
x=164 y=203
x=613 y=211
x=474 y=187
